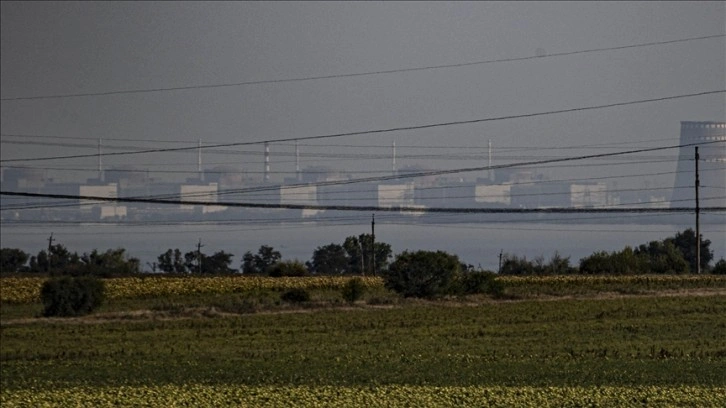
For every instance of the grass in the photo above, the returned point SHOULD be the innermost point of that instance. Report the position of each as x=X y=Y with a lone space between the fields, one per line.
x=633 y=341
x=572 y=340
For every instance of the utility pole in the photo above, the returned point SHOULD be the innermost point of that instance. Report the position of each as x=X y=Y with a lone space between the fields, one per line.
x=362 y=258
x=373 y=244
x=698 y=221
x=199 y=256
x=50 y=246
x=500 y=261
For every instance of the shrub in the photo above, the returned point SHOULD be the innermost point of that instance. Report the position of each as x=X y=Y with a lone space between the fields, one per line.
x=287 y=268
x=296 y=295
x=480 y=282
x=422 y=273
x=353 y=290
x=64 y=297
x=625 y=262
x=719 y=268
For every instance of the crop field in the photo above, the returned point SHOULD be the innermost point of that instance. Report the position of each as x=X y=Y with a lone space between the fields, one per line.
x=628 y=341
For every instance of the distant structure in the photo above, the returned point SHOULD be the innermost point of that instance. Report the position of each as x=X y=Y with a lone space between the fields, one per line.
x=712 y=165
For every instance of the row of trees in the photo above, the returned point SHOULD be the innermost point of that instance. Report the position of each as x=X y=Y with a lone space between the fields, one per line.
x=673 y=255
x=58 y=260
x=360 y=255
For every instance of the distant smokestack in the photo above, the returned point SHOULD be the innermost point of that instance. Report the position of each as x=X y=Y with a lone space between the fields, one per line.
x=267 y=163
x=297 y=162
x=394 y=169
x=199 y=160
x=100 y=162
x=489 y=164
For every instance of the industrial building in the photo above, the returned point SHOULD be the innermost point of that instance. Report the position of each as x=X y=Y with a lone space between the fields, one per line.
x=710 y=137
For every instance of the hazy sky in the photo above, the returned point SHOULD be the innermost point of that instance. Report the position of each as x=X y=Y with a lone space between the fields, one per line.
x=85 y=47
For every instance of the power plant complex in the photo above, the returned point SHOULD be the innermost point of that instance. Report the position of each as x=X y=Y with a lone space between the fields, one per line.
x=317 y=186
x=710 y=137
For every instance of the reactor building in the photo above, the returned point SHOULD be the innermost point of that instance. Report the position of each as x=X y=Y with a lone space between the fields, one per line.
x=710 y=137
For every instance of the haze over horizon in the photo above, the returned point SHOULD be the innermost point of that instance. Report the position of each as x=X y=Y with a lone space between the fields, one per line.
x=156 y=75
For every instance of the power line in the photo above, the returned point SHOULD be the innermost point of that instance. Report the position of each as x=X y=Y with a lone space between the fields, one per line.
x=443 y=172
x=93 y=143
x=376 y=131
x=359 y=74
x=372 y=179
x=401 y=209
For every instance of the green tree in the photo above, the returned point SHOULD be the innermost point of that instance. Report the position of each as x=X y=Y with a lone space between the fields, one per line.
x=661 y=257
x=422 y=273
x=56 y=261
x=216 y=264
x=248 y=264
x=113 y=262
x=625 y=262
x=360 y=252
x=172 y=261
x=266 y=257
x=686 y=242
x=287 y=268
x=259 y=263
x=557 y=265
x=330 y=259
x=12 y=260
x=719 y=268
x=514 y=265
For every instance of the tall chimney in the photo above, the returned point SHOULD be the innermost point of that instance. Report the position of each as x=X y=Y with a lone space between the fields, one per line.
x=267 y=163
x=394 y=159
x=100 y=162
x=199 y=161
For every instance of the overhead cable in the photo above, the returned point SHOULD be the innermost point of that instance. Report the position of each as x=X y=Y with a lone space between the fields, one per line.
x=388 y=130
x=358 y=74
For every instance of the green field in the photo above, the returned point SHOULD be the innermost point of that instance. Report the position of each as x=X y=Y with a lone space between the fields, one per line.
x=651 y=348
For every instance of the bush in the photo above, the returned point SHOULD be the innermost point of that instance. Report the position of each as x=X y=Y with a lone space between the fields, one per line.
x=719 y=268
x=483 y=282
x=353 y=290
x=287 y=268
x=65 y=297
x=296 y=295
x=422 y=273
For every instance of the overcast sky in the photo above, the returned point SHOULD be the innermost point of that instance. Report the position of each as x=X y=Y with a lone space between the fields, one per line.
x=85 y=47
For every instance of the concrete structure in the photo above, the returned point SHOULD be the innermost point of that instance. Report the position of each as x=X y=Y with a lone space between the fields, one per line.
x=201 y=193
x=588 y=195
x=299 y=195
x=101 y=209
x=395 y=195
x=712 y=165
x=493 y=194
x=24 y=179
x=446 y=194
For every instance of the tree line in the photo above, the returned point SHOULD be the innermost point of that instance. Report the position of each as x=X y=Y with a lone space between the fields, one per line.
x=360 y=255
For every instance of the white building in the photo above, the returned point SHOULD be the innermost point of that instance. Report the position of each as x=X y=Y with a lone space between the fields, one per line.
x=395 y=195
x=200 y=193
x=588 y=195
x=493 y=194
x=104 y=209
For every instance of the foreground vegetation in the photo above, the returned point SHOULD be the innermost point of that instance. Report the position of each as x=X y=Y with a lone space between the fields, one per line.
x=548 y=341
x=393 y=396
